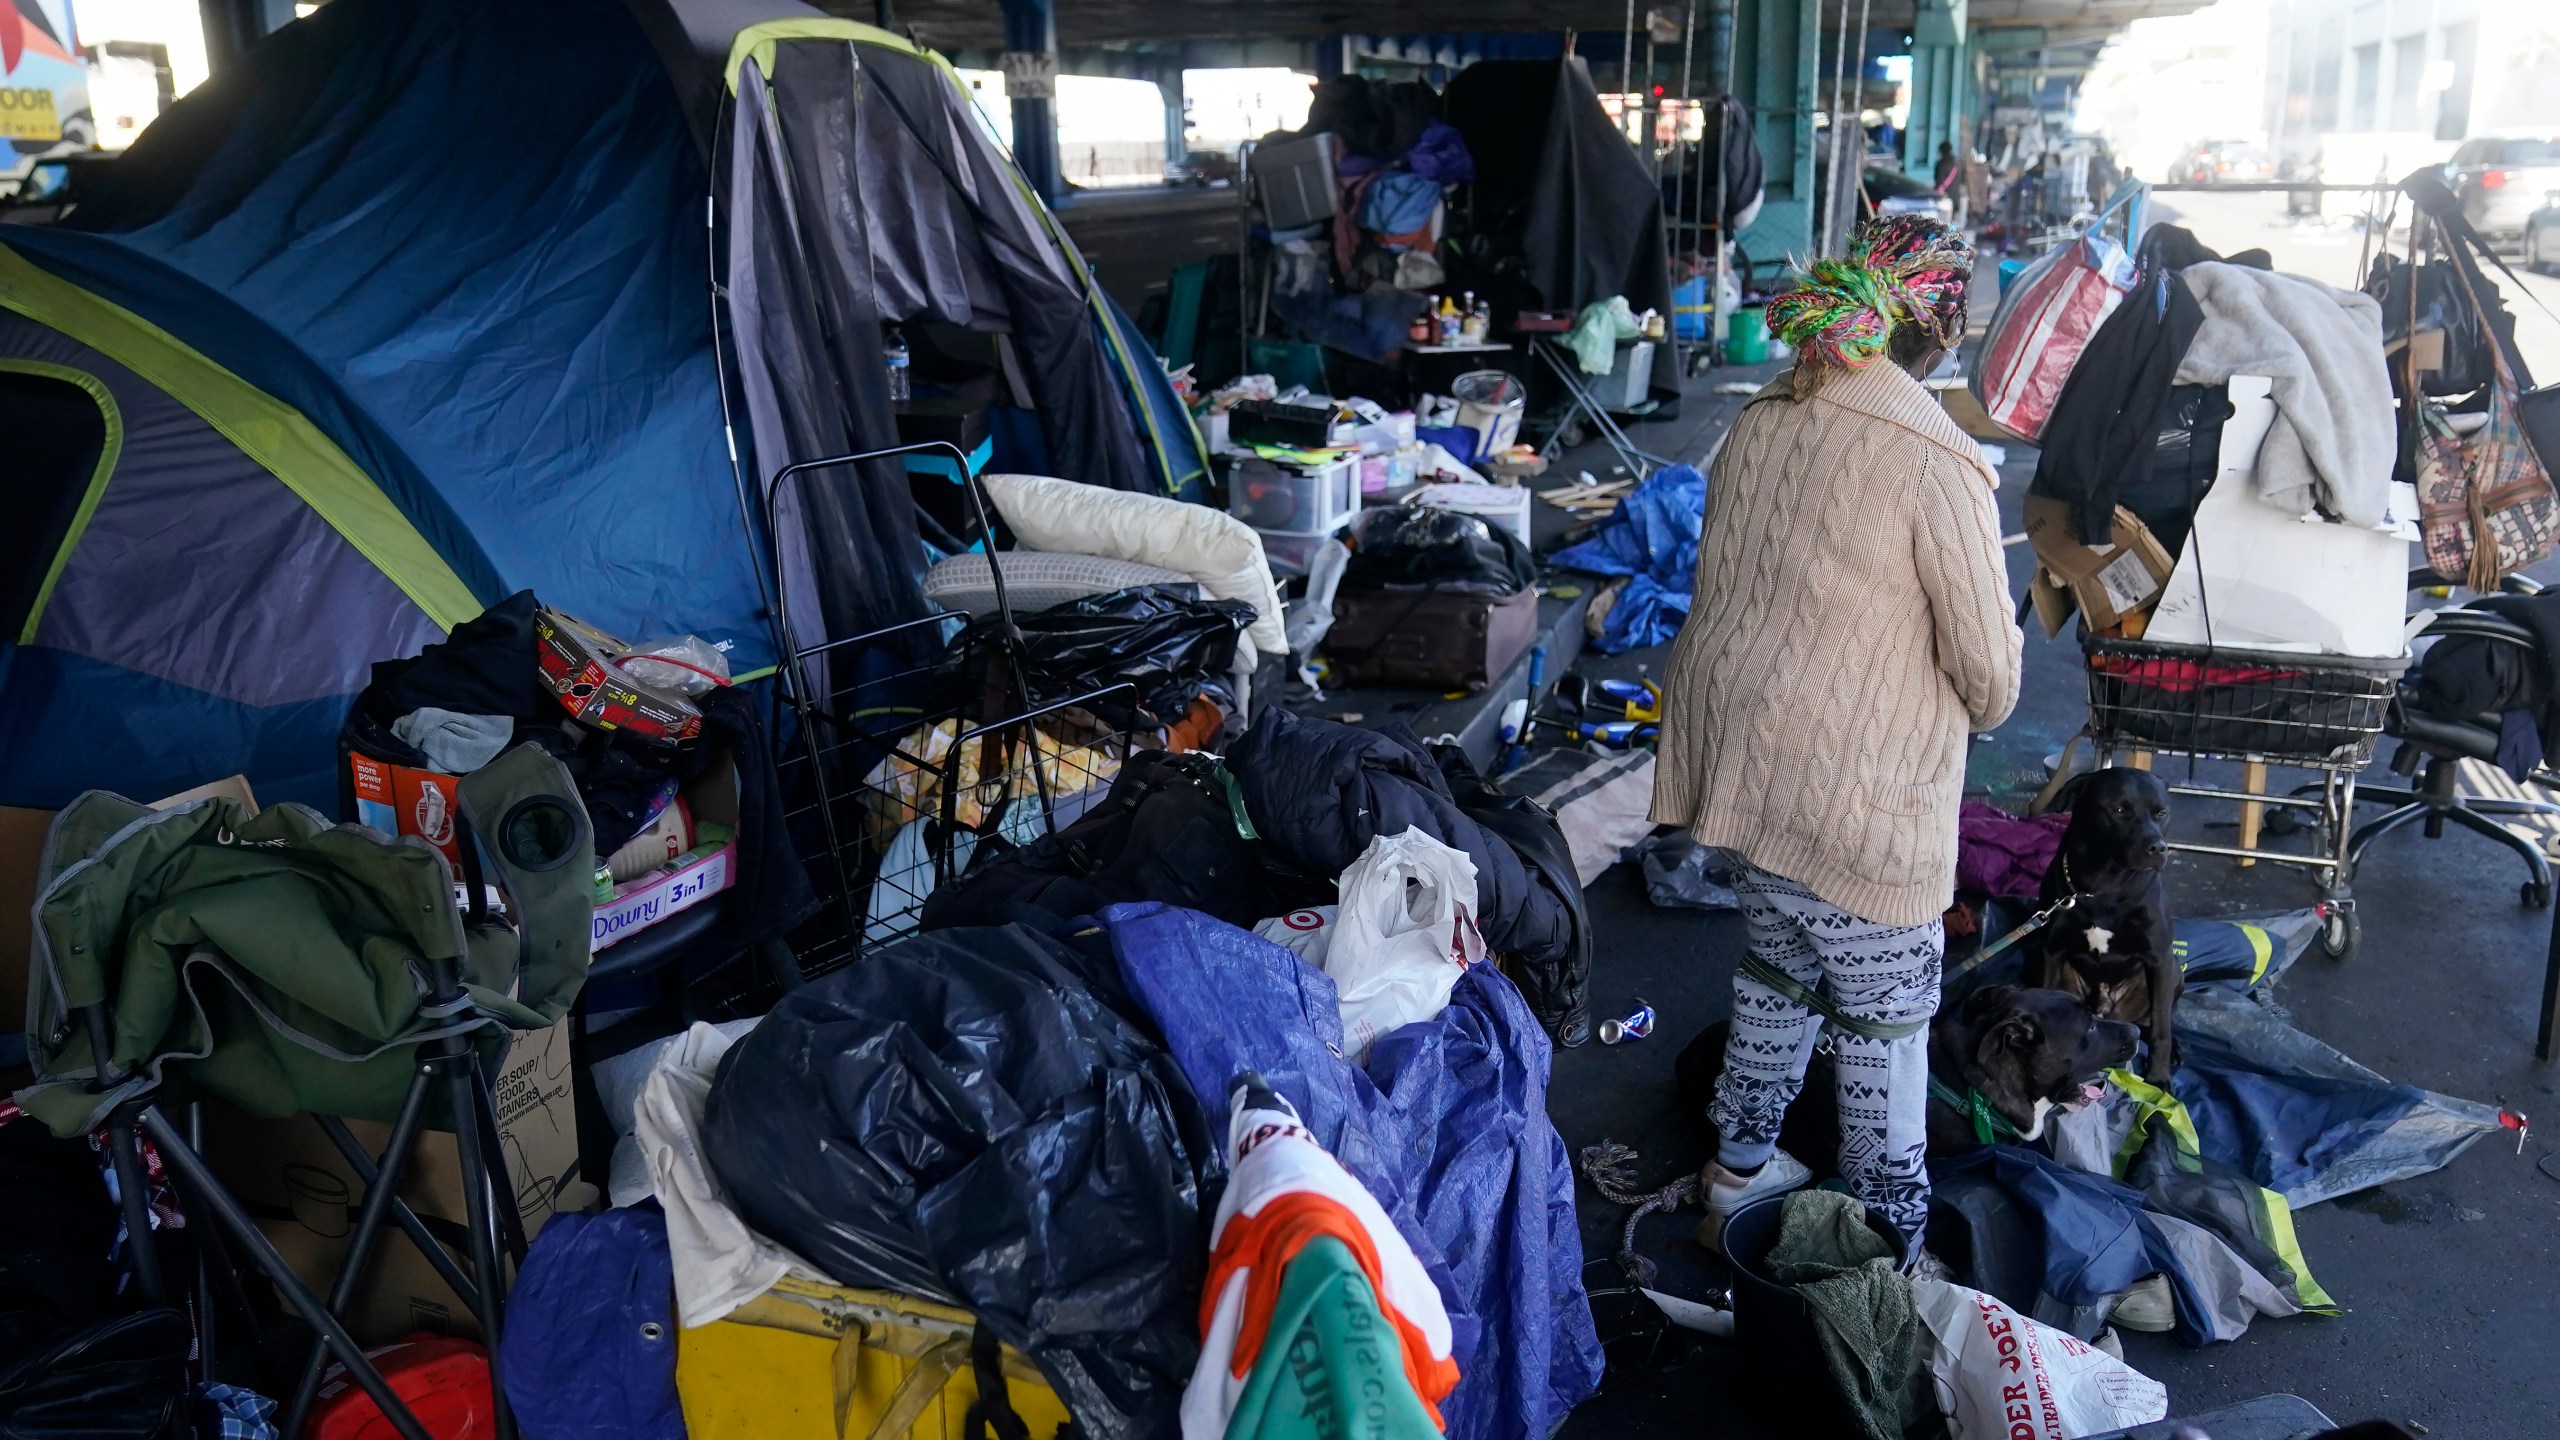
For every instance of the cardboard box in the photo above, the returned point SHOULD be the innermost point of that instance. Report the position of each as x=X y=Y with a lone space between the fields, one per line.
x=305 y=1198
x=575 y=659
x=2105 y=584
x=2269 y=579
x=689 y=879
x=398 y=800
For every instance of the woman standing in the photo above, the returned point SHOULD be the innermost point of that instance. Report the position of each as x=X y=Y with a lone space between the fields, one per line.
x=1851 y=626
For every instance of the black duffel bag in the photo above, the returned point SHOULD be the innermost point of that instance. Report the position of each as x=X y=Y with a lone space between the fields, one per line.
x=1171 y=829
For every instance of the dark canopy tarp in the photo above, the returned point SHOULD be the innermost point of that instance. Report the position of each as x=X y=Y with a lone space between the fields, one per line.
x=1558 y=185
x=859 y=189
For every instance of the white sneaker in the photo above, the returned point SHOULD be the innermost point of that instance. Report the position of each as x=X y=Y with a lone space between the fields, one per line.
x=2148 y=1307
x=1728 y=1192
x=2108 y=1343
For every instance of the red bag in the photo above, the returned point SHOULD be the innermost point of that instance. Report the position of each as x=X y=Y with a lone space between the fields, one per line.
x=2045 y=320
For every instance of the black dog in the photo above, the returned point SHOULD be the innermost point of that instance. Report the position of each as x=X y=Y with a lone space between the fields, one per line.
x=2114 y=946
x=2025 y=1052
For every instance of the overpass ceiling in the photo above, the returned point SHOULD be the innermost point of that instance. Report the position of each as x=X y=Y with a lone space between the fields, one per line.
x=977 y=24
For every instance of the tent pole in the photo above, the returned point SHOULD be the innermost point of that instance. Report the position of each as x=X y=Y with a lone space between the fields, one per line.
x=1823 y=242
x=1685 y=156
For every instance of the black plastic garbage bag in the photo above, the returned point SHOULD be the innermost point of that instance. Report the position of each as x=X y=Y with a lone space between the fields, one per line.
x=1558 y=988
x=1170 y=830
x=1148 y=635
x=1436 y=546
x=971 y=1116
x=121 y=1379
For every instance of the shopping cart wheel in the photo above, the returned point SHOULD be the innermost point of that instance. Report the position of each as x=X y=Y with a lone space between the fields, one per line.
x=2340 y=932
x=2537 y=895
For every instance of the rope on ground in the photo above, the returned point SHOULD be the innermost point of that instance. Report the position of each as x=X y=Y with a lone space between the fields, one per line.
x=1611 y=1169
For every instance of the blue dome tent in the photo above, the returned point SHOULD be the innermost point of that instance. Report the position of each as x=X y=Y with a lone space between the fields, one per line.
x=413 y=308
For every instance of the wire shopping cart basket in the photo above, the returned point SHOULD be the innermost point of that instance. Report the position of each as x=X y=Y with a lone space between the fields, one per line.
x=912 y=747
x=2260 y=708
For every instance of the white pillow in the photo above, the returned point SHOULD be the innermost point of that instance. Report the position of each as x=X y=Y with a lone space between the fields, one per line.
x=1034 y=580
x=1220 y=551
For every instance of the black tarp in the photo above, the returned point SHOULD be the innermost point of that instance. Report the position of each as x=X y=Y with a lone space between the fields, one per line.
x=1558 y=186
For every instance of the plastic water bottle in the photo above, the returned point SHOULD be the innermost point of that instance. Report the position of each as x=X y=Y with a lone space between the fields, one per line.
x=895 y=352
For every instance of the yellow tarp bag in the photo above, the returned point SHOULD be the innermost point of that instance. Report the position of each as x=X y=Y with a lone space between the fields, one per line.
x=805 y=1361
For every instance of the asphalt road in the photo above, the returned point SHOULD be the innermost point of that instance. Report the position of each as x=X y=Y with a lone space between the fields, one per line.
x=2451 y=1281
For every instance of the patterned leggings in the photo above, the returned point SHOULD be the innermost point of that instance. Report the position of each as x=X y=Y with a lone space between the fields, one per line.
x=1883 y=973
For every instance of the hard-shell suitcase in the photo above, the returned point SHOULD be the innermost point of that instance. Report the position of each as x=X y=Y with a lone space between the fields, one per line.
x=806 y=1361
x=1443 y=639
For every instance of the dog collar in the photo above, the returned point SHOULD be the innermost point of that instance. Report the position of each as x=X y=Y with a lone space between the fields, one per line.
x=1989 y=1126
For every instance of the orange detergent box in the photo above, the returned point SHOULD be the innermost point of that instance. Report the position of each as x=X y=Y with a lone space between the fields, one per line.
x=398 y=800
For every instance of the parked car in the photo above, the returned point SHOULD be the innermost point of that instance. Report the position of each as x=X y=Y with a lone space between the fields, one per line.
x=2503 y=180
x=2216 y=160
x=2542 y=237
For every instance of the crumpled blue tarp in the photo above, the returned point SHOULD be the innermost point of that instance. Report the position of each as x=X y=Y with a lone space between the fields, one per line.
x=1652 y=537
x=1447 y=1126
x=589 y=1350
x=1441 y=154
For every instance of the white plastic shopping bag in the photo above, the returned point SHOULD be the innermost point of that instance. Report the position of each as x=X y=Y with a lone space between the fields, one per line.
x=1406 y=932
x=2002 y=1376
x=1308 y=932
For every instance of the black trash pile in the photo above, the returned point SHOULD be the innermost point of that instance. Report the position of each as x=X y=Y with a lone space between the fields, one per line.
x=1294 y=803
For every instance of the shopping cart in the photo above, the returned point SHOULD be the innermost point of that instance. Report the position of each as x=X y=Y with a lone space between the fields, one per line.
x=914 y=746
x=2262 y=709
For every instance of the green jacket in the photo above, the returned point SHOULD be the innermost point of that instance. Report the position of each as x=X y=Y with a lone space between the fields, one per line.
x=275 y=960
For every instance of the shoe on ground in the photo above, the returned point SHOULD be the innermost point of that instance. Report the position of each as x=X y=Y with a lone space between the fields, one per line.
x=2148 y=1307
x=1728 y=1192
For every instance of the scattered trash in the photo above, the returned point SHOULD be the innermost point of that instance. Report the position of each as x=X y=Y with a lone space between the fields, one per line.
x=1636 y=1025
x=1681 y=874
x=1404 y=933
x=1736 y=387
x=1692 y=1314
x=1994 y=456
x=1610 y=1167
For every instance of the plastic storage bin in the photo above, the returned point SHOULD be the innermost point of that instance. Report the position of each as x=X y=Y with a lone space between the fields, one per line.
x=1291 y=499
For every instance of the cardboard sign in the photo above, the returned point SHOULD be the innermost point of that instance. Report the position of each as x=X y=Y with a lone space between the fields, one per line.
x=576 y=661
x=305 y=1198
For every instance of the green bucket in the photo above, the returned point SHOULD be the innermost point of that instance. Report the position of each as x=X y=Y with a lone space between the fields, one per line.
x=1746 y=336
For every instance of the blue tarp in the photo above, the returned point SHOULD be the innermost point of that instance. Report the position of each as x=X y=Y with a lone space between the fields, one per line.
x=1447 y=1126
x=1652 y=537
x=590 y=1347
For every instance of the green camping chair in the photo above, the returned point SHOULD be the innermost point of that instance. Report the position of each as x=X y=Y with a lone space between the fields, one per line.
x=293 y=967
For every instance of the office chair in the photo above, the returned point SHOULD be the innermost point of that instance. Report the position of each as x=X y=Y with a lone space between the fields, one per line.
x=2433 y=747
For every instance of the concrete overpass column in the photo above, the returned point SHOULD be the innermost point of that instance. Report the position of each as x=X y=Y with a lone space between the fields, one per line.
x=1941 y=85
x=1031 y=84
x=1169 y=84
x=1774 y=45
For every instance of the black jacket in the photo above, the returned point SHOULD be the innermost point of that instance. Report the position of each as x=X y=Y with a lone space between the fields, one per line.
x=1319 y=792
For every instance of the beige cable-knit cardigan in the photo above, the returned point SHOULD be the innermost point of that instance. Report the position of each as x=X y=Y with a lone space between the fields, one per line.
x=1851 y=625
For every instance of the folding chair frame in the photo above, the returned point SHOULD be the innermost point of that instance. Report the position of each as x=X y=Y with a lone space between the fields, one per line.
x=489 y=1211
x=1639 y=461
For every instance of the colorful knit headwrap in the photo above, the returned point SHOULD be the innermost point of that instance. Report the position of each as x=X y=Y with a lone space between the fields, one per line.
x=1899 y=267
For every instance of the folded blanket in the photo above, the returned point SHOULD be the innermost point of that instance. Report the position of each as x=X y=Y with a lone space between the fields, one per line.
x=2333 y=443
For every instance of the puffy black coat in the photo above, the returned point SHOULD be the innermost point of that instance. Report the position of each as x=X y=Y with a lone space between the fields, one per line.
x=1319 y=792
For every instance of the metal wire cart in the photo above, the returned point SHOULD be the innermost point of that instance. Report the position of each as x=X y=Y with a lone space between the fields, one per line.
x=2259 y=708
x=915 y=747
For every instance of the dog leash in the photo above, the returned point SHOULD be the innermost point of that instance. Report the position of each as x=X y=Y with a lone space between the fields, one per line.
x=1996 y=948
x=1822 y=1005
x=1989 y=1125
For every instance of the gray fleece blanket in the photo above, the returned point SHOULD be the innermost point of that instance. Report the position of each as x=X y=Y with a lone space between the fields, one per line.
x=2333 y=443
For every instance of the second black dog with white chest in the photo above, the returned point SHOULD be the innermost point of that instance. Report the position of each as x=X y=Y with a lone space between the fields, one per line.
x=2114 y=945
